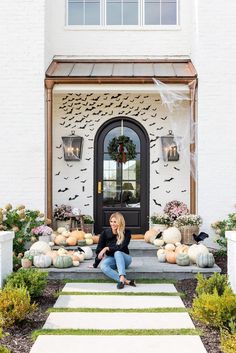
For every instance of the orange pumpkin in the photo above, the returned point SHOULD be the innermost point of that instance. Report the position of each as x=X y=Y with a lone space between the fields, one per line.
x=75 y=258
x=95 y=239
x=72 y=241
x=181 y=249
x=171 y=257
x=150 y=234
x=78 y=234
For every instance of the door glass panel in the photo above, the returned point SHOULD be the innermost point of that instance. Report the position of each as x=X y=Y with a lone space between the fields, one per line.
x=121 y=181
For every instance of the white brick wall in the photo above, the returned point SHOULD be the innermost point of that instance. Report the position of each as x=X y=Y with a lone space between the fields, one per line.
x=214 y=57
x=22 y=176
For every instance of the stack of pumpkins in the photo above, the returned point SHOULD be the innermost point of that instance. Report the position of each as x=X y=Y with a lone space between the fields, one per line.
x=63 y=237
x=172 y=251
x=44 y=257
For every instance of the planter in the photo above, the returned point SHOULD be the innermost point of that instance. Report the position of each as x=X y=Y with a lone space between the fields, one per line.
x=88 y=228
x=160 y=227
x=231 y=255
x=64 y=224
x=26 y=263
x=46 y=238
x=187 y=234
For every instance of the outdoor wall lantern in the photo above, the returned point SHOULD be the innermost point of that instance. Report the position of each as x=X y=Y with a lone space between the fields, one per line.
x=72 y=146
x=169 y=148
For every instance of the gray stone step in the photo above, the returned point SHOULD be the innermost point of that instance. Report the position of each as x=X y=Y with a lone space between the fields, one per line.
x=109 y=287
x=118 y=321
x=114 y=344
x=118 y=302
x=141 y=267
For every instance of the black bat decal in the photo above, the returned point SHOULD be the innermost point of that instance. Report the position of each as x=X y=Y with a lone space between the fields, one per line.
x=166 y=165
x=119 y=105
x=59 y=146
x=147 y=108
x=65 y=98
x=60 y=190
x=167 y=191
x=156 y=203
x=152 y=124
x=156 y=187
x=151 y=135
x=97 y=120
x=68 y=125
x=66 y=178
x=70 y=111
x=144 y=119
x=77 y=177
x=63 y=123
x=156 y=161
x=164 y=118
x=90 y=109
x=83 y=181
x=88 y=121
x=169 y=179
x=183 y=190
x=89 y=197
x=58 y=173
x=59 y=157
x=83 y=127
x=87 y=159
x=69 y=165
x=154 y=109
x=157 y=172
x=136 y=114
x=64 y=117
x=95 y=99
x=71 y=118
x=82 y=170
x=177 y=169
x=125 y=106
x=160 y=128
x=73 y=126
x=87 y=204
x=154 y=115
x=108 y=105
x=117 y=96
x=153 y=146
x=73 y=198
x=153 y=140
x=86 y=135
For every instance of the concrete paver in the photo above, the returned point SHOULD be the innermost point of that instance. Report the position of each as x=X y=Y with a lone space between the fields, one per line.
x=111 y=287
x=118 y=321
x=118 y=302
x=116 y=344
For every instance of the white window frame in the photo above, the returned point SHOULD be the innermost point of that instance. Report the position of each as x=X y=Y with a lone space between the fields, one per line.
x=141 y=19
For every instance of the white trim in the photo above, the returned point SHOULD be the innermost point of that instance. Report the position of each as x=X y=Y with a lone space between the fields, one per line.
x=128 y=88
x=124 y=28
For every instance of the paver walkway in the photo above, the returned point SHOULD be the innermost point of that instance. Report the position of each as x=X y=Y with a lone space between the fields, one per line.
x=78 y=297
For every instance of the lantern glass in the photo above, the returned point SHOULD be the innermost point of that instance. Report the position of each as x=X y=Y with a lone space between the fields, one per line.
x=169 y=148
x=72 y=146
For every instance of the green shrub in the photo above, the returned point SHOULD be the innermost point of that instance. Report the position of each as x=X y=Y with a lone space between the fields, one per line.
x=4 y=349
x=228 y=342
x=32 y=279
x=208 y=285
x=14 y=305
x=220 y=227
x=214 y=309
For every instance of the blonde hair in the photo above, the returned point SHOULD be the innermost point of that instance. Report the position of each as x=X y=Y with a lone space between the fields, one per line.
x=121 y=226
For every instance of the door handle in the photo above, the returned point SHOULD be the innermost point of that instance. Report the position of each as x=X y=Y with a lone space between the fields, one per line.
x=99 y=187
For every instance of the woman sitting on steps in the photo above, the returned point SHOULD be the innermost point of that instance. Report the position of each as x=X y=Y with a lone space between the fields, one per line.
x=113 y=250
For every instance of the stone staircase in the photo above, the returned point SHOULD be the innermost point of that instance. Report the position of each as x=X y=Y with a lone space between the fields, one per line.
x=144 y=265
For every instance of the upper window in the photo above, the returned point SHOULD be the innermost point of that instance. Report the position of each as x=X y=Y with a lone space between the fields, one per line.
x=122 y=12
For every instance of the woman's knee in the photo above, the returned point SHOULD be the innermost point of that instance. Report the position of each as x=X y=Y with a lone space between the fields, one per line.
x=118 y=254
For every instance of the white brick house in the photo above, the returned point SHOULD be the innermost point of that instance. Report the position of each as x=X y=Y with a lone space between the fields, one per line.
x=33 y=32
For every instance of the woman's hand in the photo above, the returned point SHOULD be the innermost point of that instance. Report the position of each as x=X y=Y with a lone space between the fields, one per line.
x=102 y=252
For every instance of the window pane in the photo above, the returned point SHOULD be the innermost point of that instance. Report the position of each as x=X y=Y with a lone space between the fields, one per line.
x=133 y=136
x=111 y=134
x=152 y=12
x=168 y=12
x=75 y=13
x=114 y=12
x=92 y=12
x=130 y=12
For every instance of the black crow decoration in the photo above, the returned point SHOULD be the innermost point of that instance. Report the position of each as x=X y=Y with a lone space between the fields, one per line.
x=200 y=237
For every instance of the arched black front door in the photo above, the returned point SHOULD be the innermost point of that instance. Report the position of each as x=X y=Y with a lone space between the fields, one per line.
x=122 y=187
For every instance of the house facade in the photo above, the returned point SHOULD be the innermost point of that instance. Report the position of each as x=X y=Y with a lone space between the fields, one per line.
x=99 y=70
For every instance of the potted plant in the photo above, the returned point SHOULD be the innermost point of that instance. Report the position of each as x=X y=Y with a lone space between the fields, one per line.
x=176 y=208
x=88 y=224
x=160 y=221
x=62 y=215
x=27 y=260
x=42 y=233
x=188 y=225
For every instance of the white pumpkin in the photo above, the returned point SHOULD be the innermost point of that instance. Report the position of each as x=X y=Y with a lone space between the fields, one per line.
x=88 y=252
x=170 y=247
x=41 y=246
x=62 y=252
x=51 y=243
x=60 y=230
x=75 y=263
x=196 y=249
x=158 y=242
x=160 y=251
x=65 y=234
x=89 y=241
x=161 y=255
x=42 y=261
x=80 y=255
x=171 y=235
x=88 y=236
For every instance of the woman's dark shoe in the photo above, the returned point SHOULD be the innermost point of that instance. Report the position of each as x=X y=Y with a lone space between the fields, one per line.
x=120 y=285
x=132 y=283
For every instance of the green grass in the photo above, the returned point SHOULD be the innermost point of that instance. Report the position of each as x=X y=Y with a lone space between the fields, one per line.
x=139 y=281
x=105 y=310
x=82 y=332
x=167 y=294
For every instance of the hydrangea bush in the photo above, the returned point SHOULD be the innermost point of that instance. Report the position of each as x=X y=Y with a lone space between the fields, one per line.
x=62 y=212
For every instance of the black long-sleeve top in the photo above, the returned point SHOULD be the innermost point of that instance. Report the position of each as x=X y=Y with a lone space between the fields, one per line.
x=108 y=239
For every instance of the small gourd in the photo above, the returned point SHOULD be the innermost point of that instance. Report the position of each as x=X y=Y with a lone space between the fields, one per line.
x=171 y=235
x=60 y=240
x=63 y=261
x=161 y=257
x=196 y=249
x=89 y=241
x=182 y=248
x=65 y=234
x=40 y=246
x=182 y=259
x=80 y=255
x=81 y=243
x=62 y=252
x=88 y=236
x=88 y=252
x=42 y=261
x=170 y=247
x=160 y=251
x=60 y=230
x=158 y=242
x=75 y=263
x=205 y=260
x=171 y=257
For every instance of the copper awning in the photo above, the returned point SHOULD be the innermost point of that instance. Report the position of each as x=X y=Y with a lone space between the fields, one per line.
x=120 y=71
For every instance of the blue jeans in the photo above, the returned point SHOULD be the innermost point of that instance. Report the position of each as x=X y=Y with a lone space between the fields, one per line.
x=119 y=262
